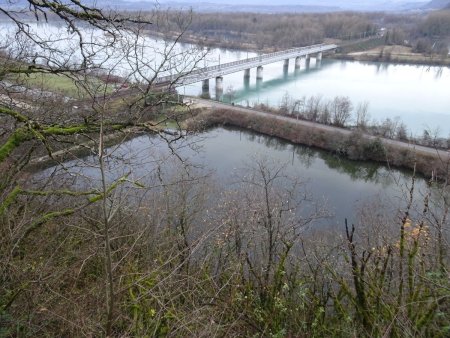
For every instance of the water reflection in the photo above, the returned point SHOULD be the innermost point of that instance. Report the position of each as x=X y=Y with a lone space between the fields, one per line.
x=305 y=155
x=356 y=170
x=341 y=182
x=286 y=77
x=438 y=72
x=417 y=94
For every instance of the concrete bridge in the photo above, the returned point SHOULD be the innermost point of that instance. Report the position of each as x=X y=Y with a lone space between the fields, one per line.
x=218 y=71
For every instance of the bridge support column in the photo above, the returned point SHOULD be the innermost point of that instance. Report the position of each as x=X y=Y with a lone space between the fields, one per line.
x=247 y=78
x=219 y=88
x=205 y=89
x=219 y=83
x=205 y=85
x=285 y=68
x=259 y=73
x=319 y=60
x=297 y=62
x=307 y=60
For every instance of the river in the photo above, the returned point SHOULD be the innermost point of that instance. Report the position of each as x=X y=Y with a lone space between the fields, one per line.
x=417 y=95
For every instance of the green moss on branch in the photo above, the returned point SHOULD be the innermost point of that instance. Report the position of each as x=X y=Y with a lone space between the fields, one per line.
x=18 y=137
x=10 y=199
x=58 y=130
x=19 y=117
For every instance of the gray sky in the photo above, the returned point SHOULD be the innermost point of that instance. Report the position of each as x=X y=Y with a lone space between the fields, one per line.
x=295 y=2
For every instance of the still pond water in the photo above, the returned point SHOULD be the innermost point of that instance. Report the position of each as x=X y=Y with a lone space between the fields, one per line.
x=340 y=185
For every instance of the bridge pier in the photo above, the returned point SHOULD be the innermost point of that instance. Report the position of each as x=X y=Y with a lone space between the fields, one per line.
x=286 y=68
x=219 y=83
x=259 y=73
x=205 y=89
x=219 y=87
x=319 y=59
x=205 y=85
x=297 y=62
x=247 y=78
x=307 y=60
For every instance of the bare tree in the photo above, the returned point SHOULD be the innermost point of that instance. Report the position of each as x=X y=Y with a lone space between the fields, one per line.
x=325 y=114
x=402 y=132
x=286 y=104
x=341 y=109
x=110 y=69
x=275 y=216
x=362 y=115
x=388 y=127
x=312 y=108
x=299 y=107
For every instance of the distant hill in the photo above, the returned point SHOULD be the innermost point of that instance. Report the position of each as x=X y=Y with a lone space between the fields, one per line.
x=438 y=4
x=263 y=6
x=226 y=7
x=295 y=5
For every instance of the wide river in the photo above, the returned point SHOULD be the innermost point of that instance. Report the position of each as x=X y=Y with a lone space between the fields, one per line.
x=417 y=95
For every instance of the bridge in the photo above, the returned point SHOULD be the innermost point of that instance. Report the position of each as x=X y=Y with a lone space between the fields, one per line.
x=218 y=71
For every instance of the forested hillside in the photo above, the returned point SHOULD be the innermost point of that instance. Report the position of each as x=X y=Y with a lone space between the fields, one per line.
x=430 y=32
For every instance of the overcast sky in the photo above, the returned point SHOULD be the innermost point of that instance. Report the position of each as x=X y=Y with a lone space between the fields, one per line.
x=294 y=2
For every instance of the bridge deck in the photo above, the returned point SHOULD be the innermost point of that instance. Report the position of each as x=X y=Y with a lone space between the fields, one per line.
x=236 y=66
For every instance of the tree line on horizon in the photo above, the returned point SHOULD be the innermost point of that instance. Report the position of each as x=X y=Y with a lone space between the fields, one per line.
x=423 y=32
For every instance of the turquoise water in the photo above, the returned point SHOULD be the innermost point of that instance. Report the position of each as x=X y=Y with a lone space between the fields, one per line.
x=417 y=95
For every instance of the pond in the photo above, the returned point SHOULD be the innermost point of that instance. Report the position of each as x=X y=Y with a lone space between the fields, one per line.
x=226 y=155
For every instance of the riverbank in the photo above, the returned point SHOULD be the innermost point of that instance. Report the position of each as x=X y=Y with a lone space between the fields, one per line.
x=353 y=144
x=395 y=54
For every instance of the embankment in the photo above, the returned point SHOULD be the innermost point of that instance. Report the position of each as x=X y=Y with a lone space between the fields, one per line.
x=354 y=145
x=390 y=54
x=395 y=59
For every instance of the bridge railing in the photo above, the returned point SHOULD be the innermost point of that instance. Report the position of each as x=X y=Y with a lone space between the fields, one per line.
x=260 y=58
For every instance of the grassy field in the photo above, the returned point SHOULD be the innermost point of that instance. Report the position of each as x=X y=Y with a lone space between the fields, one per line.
x=361 y=45
x=62 y=84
